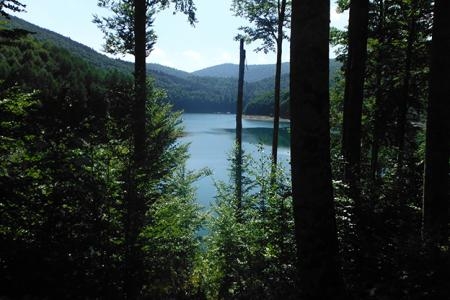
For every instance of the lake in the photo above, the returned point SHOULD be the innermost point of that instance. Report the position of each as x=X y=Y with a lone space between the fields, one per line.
x=211 y=138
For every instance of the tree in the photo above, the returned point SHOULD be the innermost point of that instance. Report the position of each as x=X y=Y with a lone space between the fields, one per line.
x=239 y=109
x=436 y=179
x=405 y=98
x=250 y=255
x=377 y=127
x=59 y=179
x=269 y=17
x=12 y=5
x=354 y=93
x=130 y=31
x=314 y=214
x=6 y=35
x=352 y=115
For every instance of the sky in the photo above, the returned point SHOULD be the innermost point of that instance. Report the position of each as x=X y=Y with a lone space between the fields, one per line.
x=179 y=45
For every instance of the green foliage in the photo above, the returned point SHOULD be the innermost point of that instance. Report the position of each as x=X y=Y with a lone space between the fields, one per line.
x=171 y=241
x=8 y=35
x=264 y=16
x=263 y=105
x=66 y=153
x=395 y=264
x=250 y=253
x=260 y=100
x=65 y=156
x=118 y=28
x=59 y=223
x=253 y=73
x=208 y=91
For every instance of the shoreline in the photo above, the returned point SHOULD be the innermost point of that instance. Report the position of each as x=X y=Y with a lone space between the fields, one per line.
x=263 y=118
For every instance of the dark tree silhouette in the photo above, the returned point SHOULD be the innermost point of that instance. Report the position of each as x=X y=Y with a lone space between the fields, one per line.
x=11 y=5
x=352 y=129
x=436 y=179
x=314 y=213
x=354 y=93
x=6 y=34
x=404 y=101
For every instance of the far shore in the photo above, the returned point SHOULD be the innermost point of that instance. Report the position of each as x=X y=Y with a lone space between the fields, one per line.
x=262 y=118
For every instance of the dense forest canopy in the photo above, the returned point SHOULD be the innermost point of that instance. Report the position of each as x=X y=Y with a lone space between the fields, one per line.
x=95 y=204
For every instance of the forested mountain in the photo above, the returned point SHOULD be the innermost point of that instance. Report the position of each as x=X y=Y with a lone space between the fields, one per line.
x=212 y=89
x=254 y=73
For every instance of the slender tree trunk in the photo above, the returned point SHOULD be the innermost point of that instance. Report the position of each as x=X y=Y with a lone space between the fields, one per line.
x=377 y=126
x=404 y=102
x=436 y=178
x=239 y=108
x=351 y=133
x=354 y=94
x=277 y=94
x=135 y=201
x=314 y=213
x=377 y=131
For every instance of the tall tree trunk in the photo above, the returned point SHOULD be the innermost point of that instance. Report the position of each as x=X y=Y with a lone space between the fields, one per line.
x=404 y=102
x=351 y=133
x=436 y=178
x=354 y=94
x=277 y=94
x=135 y=200
x=314 y=213
x=377 y=126
x=239 y=108
x=377 y=134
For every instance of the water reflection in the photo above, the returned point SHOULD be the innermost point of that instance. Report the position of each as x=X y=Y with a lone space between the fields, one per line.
x=263 y=135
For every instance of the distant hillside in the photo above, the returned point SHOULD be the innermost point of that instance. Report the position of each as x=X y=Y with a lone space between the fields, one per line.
x=168 y=70
x=253 y=73
x=88 y=54
x=212 y=89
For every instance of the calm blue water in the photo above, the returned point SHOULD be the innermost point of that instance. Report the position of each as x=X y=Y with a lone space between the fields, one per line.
x=211 y=138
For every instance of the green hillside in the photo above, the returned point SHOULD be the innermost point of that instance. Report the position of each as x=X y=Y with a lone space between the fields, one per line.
x=212 y=89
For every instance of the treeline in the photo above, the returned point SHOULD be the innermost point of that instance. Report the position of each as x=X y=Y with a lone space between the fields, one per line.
x=262 y=92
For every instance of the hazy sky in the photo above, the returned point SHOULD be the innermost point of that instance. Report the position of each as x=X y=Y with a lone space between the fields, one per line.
x=179 y=45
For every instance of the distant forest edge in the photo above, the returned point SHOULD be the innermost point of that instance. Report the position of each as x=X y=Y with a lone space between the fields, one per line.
x=209 y=90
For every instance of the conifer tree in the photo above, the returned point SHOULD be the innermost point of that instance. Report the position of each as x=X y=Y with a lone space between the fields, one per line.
x=130 y=31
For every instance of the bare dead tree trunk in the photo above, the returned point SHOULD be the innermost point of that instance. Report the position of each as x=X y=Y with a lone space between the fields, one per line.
x=239 y=109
